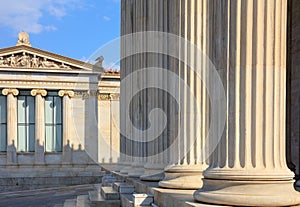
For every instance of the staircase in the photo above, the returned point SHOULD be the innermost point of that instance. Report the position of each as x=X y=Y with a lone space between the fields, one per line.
x=111 y=193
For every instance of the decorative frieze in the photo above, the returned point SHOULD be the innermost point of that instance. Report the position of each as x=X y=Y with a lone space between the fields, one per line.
x=28 y=60
x=43 y=84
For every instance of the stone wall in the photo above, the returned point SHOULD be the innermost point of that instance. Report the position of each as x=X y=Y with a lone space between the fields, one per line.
x=108 y=134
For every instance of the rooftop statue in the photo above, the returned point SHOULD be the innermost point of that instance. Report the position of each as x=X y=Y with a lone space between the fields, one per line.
x=23 y=39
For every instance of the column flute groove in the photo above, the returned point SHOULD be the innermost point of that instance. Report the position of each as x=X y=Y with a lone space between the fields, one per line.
x=255 y=87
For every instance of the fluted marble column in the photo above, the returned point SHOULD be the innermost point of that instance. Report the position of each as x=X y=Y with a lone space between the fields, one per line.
x=187 y=163
x=39 y=95
x=12 y=124
x=67 y=120
x=125 y=143
x=122 y=160
x=138 y=17
x=248 y=46
x=154 y=168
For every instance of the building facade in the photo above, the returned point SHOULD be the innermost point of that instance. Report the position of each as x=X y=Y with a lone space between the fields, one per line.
x=51 y=109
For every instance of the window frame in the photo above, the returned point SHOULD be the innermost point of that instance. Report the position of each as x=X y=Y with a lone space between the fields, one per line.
x=4 y=124
x=26 y=94
x=54 y=124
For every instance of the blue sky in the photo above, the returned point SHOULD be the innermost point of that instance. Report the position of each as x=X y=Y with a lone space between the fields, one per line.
x=73 y=28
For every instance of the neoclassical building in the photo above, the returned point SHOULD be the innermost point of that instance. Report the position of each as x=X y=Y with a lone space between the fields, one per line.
x=56 y=116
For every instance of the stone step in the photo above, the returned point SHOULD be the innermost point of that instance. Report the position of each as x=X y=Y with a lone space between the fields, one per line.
x=142 y=199
x=107 y=176
x=58 y=205
x=98 y=187
x=123 y=187
x=108 y=193
x=107 y=181
x=83 y=201
x=70 y=203
x=127 y=201
x=97 y=200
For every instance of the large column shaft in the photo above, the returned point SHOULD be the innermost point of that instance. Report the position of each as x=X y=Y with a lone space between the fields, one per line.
x=154 y=98
x=126 y=144
x=138 y=17
x=188 y=20
x=67 y=120
x=12 y=124
x=247 y=45
x=39 y=124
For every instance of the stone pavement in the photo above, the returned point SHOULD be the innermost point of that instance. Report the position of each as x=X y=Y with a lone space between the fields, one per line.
x=47 y=197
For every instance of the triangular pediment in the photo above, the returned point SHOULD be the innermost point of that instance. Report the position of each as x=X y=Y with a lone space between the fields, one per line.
x=25 y=57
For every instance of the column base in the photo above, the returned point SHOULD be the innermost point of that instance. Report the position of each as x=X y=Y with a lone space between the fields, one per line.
x=248 y=193
x=153 y=172
x=188 y=177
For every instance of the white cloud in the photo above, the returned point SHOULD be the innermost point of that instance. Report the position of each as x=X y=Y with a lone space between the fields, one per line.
x=25 y=15
x=57 y=12
x=106 y=18
x=50 y=28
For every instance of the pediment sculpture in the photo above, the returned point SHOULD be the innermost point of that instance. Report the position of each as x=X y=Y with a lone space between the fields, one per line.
x=26 y=60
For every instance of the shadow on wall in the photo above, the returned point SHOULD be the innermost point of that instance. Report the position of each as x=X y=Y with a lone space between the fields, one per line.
x=68 y=156
x=78 y=156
